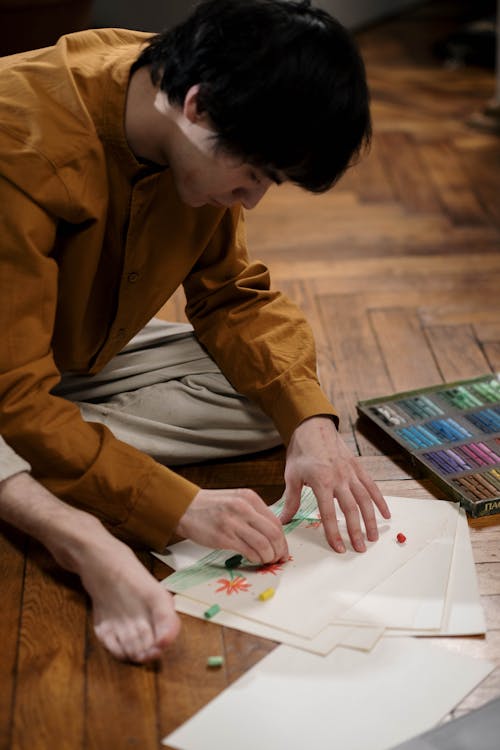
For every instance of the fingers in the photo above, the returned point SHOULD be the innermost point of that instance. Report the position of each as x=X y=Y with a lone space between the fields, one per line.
x=357 y=502
x=376 y=495
x=238 y=520
x=326 y=507
x=259 y=534
x=267 y=542
x=354 y=501
x=293 y=489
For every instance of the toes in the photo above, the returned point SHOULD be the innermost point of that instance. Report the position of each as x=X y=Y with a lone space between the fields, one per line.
x=166 y=623
x=137 y=639
x=127 y=640
x=109 y=639
x=138 y=629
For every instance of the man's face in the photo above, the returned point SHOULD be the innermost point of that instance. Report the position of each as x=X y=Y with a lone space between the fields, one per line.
x=206 y=174
x=218 y=179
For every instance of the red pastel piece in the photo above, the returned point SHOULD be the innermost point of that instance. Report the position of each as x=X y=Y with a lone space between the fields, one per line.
x=401 y=538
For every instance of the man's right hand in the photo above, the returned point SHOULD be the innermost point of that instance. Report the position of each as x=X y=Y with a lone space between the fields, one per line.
x=236 y=520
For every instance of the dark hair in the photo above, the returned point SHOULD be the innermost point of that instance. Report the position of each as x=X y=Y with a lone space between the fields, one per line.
x=282 y=82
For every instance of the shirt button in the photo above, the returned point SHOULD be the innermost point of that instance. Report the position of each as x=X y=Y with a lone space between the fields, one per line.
x=132 y=277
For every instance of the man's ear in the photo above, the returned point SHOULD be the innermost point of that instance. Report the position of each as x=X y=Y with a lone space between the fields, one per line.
x=190 y=108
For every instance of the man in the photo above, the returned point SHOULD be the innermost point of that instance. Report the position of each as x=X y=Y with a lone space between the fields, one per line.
x=126 y=161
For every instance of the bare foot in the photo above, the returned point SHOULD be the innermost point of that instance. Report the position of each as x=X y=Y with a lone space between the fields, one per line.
x=134 y=616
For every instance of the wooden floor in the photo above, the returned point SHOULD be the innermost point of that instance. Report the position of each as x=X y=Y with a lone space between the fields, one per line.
x=398 y=270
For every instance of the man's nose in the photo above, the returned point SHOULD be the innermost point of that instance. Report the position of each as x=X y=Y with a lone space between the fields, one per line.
x=253 y=195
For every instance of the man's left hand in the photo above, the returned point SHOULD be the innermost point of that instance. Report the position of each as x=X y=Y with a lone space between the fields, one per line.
x=318 y=457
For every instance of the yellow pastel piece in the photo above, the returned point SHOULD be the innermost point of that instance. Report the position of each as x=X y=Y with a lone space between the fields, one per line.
x=267 y=594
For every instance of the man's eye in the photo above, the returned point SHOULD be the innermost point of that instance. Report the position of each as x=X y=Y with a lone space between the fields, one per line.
x=255 y=177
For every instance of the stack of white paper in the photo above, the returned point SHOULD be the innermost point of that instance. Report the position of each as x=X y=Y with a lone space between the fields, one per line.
x=425 y=586
x=338 y=682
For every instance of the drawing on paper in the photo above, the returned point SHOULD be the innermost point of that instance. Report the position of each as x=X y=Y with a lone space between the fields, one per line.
x=233 y=586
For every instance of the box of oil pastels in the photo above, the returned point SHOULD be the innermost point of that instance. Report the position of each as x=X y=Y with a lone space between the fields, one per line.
x=453 y=432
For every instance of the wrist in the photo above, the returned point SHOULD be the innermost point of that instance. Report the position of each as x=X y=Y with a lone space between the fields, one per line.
x=318 y=422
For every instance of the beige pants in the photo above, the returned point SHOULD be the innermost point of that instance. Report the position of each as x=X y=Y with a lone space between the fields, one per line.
x=165 y=395
x=10 y=462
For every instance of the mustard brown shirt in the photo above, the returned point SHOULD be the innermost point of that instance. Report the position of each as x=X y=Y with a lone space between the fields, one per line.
x=92 y=244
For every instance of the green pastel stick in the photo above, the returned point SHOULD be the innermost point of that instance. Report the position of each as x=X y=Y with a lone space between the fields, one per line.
x=211 y=611
x=215 y=661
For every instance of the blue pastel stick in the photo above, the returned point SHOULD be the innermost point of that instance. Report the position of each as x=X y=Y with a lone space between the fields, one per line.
x=417 y=437
x=481 y=422
x=428 y=439
x=461 y=430
x=433 y=438
x=495 y=418
x=410 y=438
x=440 y=428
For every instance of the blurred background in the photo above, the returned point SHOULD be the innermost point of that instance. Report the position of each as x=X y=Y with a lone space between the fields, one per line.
x=27 y=24
x=467 y=35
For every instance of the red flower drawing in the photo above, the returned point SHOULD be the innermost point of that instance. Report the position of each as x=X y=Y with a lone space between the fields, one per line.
x=273 y=568
x=233 y=586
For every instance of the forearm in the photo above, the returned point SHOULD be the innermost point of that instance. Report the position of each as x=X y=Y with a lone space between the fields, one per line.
x=64 y=530
x=83 y=464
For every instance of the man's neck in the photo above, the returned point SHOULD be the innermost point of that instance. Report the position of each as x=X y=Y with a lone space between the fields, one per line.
x=146 y=126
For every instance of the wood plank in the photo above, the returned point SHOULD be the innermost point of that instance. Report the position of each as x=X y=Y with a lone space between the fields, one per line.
x=237 y=472
x=482 y=167
x=457 y=352
x=423 y=488
x=185 y=683
x=359 y=367
x=406 y=353
x=491 y=606
x=120 y=702
x=488 y=575
x=492 y=354
x=49 y=701
x=442 y=271
x=408 y=172
x=455 y=191
x=12 y=561
x=489 y=336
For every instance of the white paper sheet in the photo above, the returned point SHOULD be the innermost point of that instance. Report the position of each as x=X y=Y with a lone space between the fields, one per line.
x=183 y=554
x=362 y=638
x=413 y=597
x=351 y=700
x=323 y=643
x=463 y=613
x=316 y=574
x=359 y=636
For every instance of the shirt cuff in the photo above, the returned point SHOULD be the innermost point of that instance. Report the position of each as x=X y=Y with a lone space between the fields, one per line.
x=299 y=402
x=156 y=513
